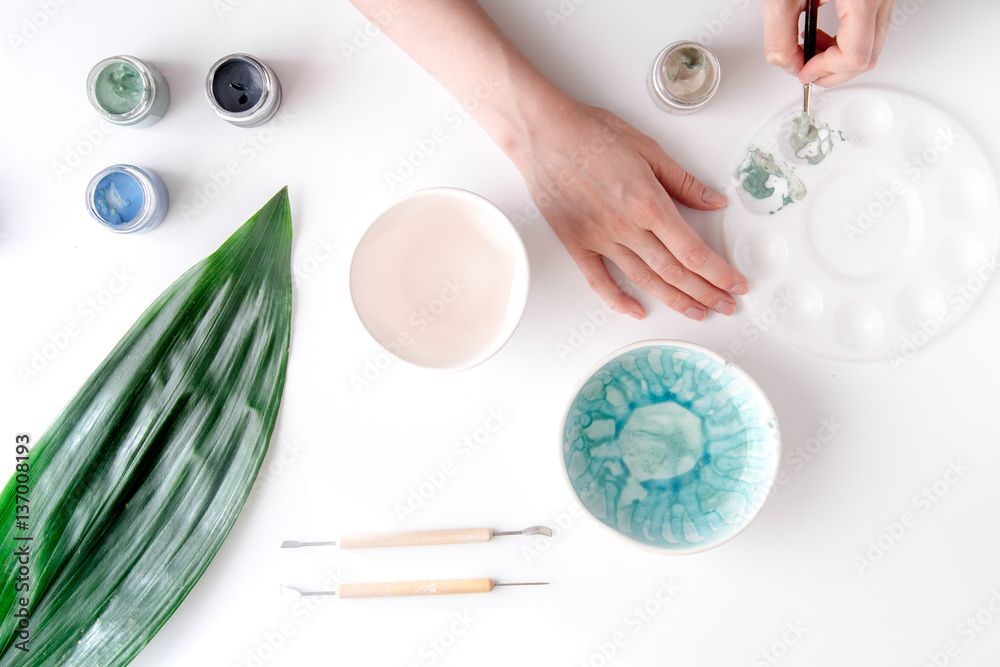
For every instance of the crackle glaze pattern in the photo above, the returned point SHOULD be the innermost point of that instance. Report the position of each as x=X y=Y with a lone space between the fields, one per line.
x=671 y=446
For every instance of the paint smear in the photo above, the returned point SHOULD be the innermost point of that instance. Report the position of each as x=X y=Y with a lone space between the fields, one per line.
x=770 y=180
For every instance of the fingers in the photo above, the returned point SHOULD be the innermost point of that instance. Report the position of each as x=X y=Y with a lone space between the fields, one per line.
x=671 y=231
x=864 y=26
x=854 y=51
x=645 y=278
x=672 y=271
x=694 y=255
x=680 y=184
x=781 y=34
x=600 y=280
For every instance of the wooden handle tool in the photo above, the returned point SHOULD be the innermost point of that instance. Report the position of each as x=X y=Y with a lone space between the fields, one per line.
x=418 y=538
x=411 y=588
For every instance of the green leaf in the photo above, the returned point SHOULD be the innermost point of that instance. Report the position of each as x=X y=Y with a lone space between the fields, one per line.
x=138 y=481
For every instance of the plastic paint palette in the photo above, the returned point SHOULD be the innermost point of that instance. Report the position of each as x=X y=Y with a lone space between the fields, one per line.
x=893 y=241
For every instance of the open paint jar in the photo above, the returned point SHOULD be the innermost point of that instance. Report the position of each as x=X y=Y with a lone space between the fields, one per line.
x=126 y=91
x=670 y=446
x=126 y=199
x=243 y=90
x=684 y=77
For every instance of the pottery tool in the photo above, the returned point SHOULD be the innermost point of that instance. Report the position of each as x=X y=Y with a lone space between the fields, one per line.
x=805 y=130
x=417 y=538
x=387 y=589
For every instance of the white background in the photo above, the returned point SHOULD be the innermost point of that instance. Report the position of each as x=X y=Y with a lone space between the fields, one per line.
x=345 y=455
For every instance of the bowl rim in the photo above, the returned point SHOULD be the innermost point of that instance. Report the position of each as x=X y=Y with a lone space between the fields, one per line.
x=519 y=297
x=741 y=374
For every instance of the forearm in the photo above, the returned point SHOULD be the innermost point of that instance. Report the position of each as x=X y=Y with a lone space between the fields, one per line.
x=460 y=46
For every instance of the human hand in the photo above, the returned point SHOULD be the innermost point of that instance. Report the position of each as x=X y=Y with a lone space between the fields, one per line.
x=864 y=25
x=605 y=189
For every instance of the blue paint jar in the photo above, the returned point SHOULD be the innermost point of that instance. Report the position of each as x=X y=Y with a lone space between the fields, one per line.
x=126 y=199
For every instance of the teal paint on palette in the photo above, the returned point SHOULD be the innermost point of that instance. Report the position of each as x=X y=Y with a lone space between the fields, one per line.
x=671 y=446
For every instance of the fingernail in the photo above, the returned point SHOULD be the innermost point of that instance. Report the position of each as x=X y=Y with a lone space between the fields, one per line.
x=725 y=307
x=808 y=80
x=741 y=289
x=636 y=314
x=695 y=313
x=710 y=196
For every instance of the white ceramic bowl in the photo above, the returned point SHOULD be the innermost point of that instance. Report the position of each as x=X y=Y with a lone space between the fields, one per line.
x=440 y=279
x=671 y=446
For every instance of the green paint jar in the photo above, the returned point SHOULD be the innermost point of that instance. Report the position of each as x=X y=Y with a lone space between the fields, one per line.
x=127 y=91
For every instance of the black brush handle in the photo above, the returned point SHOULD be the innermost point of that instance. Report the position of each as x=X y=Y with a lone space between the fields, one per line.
x=809 y=35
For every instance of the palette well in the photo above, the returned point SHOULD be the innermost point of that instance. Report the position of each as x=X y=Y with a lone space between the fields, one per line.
x=671 y=446
x=878 y=249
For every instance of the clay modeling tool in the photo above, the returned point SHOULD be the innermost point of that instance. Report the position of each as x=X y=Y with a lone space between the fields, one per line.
x=810 y=140
x=387 y=589
x=417 y=538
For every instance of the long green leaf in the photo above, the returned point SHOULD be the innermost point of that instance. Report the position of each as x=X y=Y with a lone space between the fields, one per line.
x=138 y=481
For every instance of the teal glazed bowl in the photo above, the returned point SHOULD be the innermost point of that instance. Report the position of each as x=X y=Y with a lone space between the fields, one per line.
x=671 y=446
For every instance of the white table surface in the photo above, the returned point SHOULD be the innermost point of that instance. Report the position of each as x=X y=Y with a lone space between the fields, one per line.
x=344 y=456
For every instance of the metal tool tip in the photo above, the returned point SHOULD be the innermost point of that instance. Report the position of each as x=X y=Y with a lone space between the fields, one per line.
x=523 y=583
x=290 y=544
